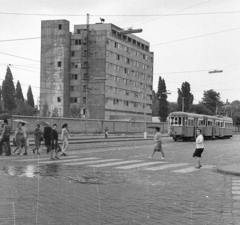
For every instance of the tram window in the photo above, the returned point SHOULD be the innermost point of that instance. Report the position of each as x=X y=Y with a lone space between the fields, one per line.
x=180 y=121
x=209 y=123
x=201 y=123
x=183 y=121
x=222 y=124
x=190 y=122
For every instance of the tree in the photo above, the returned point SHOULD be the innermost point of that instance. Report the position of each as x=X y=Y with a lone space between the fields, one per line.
x=75 y=111
x=172 y=107
x=45 y=110
x=236 y=118
x=200 y=109
x=155 y=104
x=19 y=94
x=185 y=97
x=212 y=100
x=162 y=99
x=30 y=100
x=23 y=109
x=55 y=112
x=8 y=91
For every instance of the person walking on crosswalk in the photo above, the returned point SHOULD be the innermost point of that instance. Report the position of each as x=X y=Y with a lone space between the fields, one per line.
x=158 y=146
x=65 y=136
x=199 y=148
x=54 y=141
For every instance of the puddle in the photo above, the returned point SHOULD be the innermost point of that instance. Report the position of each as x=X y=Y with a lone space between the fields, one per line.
x=81 y=175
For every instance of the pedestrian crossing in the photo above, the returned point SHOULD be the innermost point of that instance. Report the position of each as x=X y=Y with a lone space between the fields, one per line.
x=118 y=164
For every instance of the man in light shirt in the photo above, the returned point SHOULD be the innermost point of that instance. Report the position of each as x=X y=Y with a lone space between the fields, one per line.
x=199 y=148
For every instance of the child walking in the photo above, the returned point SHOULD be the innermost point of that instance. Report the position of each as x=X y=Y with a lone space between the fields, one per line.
x=158 y=145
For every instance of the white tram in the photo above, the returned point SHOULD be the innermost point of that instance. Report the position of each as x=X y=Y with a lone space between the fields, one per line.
x=183 y=126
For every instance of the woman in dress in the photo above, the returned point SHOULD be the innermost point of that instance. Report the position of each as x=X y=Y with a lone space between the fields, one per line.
x=65 y=136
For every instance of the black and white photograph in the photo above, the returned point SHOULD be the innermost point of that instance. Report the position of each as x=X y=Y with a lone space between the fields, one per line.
x=119 y=112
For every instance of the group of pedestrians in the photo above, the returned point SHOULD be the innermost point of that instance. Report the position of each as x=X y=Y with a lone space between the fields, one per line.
x=49 y=135
x=197 y=153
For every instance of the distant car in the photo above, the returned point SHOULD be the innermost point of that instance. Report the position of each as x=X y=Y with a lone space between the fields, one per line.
x=183 y=126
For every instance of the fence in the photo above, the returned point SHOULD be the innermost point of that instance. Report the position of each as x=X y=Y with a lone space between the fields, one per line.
x=77 y=125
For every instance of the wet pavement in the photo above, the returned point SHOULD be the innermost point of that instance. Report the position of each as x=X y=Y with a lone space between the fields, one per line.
x=73 y=190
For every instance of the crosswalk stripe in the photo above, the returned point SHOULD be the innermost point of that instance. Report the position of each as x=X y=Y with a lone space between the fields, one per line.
x=236 y=188
x=191 y=169
x=67 y=160
x=90 y=162
x=166 y=166
x=40 y=158
x=138 y=165
x=116 y=163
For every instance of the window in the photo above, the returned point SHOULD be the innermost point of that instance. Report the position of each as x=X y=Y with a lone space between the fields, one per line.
x=84 y=76
x=126 y=103
x=58 y=99
x=73 y=100
x=59 y=26
x=84 y=88
x=115 y=102
x=135 y=104
x=77 y=41
x=78 y=31
x=209 y=123
x=75 y=77
x=71 y=88
x=72 y=53
x=59 y=63
x=84 y=100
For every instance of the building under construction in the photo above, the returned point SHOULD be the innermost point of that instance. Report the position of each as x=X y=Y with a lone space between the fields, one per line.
x=105 y=72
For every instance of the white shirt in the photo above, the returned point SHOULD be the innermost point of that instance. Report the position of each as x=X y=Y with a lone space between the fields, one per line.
x=199 y=141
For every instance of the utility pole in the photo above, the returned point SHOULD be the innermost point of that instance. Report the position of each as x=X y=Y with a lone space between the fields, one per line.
x=87 y=71
x=182 y=104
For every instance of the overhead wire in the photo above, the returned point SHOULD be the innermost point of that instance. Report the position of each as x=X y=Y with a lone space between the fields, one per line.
x=174 y=13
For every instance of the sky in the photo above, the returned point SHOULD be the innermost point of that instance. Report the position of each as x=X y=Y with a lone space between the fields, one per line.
x=189 y=38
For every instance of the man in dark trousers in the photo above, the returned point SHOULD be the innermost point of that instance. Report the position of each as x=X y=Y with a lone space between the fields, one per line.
x=6 y=138
x=47 y=137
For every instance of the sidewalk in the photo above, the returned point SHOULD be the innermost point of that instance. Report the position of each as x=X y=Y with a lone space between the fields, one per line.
x=232 y=169
x=76 y=139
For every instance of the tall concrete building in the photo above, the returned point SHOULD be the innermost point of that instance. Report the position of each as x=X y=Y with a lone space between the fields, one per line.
x=106 y=74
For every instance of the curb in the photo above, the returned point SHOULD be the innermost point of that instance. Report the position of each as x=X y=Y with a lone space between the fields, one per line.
x=228 y=172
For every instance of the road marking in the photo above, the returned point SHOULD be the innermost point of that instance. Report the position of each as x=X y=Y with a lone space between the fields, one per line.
x=191 y=169
x=91 y=162
x=236 y=197
x=116 y=163
x=67 y=160
x=236 y=181
x=138 y=165
x=43 y=158
x=236 y=192
x=166 y=166
x=236 y=188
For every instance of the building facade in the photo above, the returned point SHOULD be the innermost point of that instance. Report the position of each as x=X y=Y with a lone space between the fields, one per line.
x=106 y=74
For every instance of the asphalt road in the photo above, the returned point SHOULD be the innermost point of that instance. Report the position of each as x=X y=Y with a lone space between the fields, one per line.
x=116 y=183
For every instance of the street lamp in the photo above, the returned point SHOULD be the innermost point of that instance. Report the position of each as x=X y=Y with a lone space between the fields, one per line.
x=215 y=71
